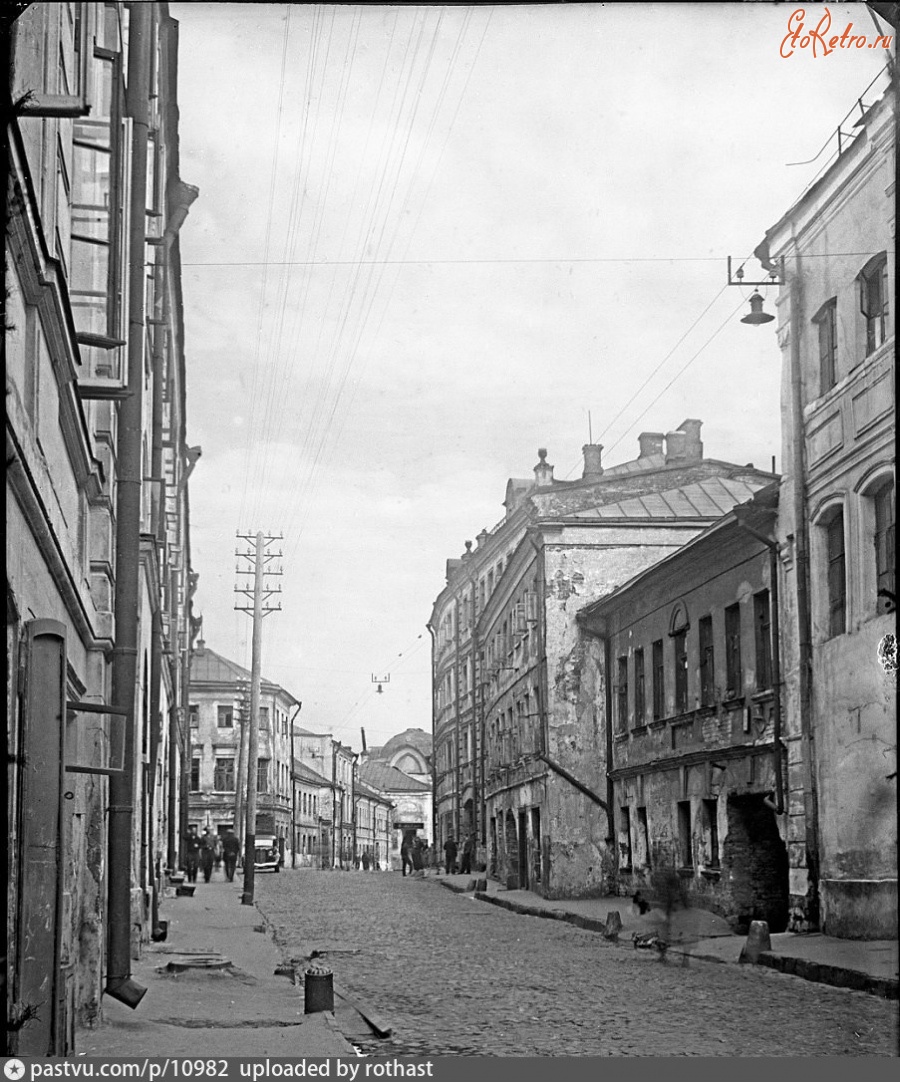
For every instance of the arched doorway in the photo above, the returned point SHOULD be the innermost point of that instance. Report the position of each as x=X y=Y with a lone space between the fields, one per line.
x=756 y=858
x=512 y=853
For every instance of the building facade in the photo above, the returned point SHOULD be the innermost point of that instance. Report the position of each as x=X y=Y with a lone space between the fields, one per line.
x=219 y=718
x=99 y=575
x=313 y=801
x=698 y=747
x=411 y=801
x=374 y=827
x=532 y=714
x=834 y=250
x=336 y=762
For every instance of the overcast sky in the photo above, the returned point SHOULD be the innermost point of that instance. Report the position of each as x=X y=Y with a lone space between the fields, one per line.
x=430 y=240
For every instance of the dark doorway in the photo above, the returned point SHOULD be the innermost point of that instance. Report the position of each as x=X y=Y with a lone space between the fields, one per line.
x=535 y=845
x=512 y=853
x=523 y=852
x=756 y=858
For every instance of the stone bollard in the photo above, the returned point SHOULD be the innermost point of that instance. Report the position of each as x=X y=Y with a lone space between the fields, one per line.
x=481 y=885
x=613 y=925
x=318 y=990
x=470 y=885
x=757 y=941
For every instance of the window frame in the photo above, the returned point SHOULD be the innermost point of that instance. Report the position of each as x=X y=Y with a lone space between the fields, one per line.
x=835 y=552
x=883 y=542
x=679 y=643
x=826 y=328
x=622 y=694
x=874 y=294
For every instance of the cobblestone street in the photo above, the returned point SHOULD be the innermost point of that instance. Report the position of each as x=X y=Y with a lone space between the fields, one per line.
x=453 y=975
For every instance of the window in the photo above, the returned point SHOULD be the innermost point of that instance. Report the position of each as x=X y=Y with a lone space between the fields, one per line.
x=873 y=301
x=195 y=775
x=826 y=324
x=622 y=692
x=264 y=717
x=762 y=622
x=262 y=775
x=659 y=687
x=681 y=672
x=837 y=575
x=733 y=675
x=685 y=848
x=224 y=775
x=711 y=833
x=707 y=663
x=639 y=696
x=194 y=715
x=884 y=547
x=225 y=717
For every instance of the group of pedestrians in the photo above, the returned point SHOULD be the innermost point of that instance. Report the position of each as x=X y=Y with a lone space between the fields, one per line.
x=451 y=852
x=203 y=852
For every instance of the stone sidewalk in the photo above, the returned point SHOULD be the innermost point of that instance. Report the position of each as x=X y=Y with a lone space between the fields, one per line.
x=211 y=990
x=864 y=965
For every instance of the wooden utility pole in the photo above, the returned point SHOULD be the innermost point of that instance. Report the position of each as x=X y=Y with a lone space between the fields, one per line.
x=260 y=594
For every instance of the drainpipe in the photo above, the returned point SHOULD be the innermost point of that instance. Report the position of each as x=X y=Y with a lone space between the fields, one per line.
x=293 y=791
x=801 y=544
x=119 y=983
x=456 y=721
x=610 y=788
x=803 y=605
x=434 y=773
x=778 y=805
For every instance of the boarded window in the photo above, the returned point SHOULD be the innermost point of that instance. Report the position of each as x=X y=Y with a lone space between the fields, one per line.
x=659 y=681
x=681 y=672
x=763 y=631
x=639 y=695
x=622 y=692
x=685 y=846
x=707 y=663
x=733 y=675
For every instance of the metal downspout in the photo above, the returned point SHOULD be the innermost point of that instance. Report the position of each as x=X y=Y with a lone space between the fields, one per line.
x=772 y=546
x=798 y=462
x=456 y=720
x=119 y=983
x=610 y=787
x=434 y=778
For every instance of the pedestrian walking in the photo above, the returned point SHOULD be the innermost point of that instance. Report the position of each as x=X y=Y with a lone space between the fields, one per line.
x=406 y=856
x=467 y=855
x=450 y=851
x=218 y=853
x=207 y=853
x=365 y=860
x=231 y=848
x=418 y=853
x=191 y=853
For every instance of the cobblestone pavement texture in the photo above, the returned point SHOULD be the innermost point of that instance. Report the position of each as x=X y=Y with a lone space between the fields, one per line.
x=457 y=976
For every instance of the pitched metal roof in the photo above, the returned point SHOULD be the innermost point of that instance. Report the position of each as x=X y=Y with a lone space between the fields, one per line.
x=388 y=779
x=710 y=498
x=363 y=790
x=306 y=773
x=208 y=667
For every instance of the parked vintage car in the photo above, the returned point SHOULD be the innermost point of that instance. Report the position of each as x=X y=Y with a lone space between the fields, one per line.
x=267 y=856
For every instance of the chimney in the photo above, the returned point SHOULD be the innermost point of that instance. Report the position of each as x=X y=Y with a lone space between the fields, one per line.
x=651 y=443
x=543 y=472
x=593 y=467
x=693 y=449
x=676 y=447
